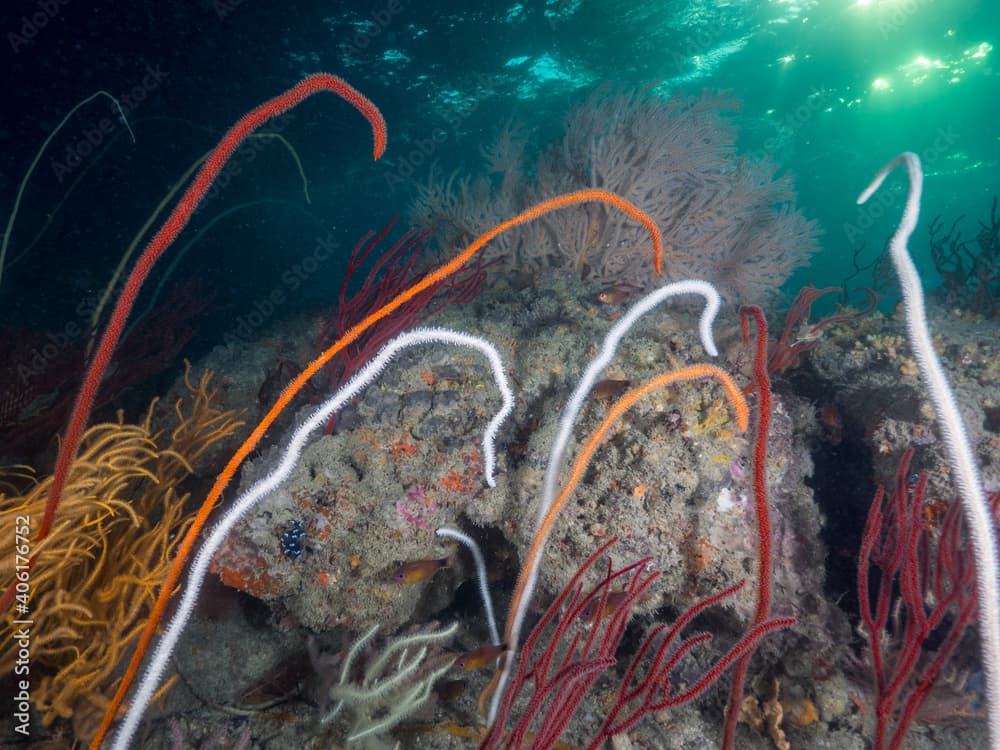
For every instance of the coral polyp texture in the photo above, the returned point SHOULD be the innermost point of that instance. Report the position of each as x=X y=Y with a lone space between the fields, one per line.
x=122 y=518
x=653 y=514
x=727 y=218
x=404 y=461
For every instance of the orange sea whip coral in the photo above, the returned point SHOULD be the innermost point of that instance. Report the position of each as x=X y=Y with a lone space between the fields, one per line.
x=223 y=479
x=170 y=230
x=165 y=237
x=362 y=380
x=534 y=555
x=111 y=545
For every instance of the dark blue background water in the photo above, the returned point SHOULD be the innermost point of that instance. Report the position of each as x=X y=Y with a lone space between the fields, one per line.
x=831 y=90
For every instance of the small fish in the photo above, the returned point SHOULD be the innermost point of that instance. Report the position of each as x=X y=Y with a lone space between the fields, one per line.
x=480 y=657
x=418 y=571
x=609 y=388
x=832 y=423
x=615 y=294
x=449 y=690
x=614 y=602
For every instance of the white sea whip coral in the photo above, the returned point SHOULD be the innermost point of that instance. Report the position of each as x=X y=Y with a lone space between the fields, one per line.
x=361 y=380
x=958 y=448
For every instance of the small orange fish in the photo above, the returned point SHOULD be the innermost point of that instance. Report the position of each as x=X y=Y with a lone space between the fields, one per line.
x=618 y=293
x=609 y=388
x=480 y=657
x=418 y=571
x=614 y=602
x=832 y=423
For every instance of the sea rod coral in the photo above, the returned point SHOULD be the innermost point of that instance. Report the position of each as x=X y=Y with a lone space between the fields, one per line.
x=598 y=205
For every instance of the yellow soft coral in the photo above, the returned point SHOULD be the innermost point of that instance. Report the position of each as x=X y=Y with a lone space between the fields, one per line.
x=96 y=574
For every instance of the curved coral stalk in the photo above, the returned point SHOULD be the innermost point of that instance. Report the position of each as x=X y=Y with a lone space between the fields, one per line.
x=364 y=378
x=956 y=439
x=529 y=571
x=224 y=478
x=162 y=240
